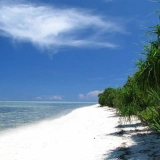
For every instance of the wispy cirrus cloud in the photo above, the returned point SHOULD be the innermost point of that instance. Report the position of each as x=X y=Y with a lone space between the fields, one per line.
x=93 y=95
x=53 y=27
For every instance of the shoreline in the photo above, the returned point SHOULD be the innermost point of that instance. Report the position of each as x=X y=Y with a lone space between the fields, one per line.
x=34 y=112
x=87 y=133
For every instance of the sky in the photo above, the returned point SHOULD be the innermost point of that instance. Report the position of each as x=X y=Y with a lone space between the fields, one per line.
x=68 y=50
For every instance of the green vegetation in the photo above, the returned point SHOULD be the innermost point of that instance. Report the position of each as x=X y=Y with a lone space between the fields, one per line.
x=140 y=95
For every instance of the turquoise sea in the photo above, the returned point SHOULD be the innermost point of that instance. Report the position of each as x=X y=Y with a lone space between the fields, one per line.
x=17 y=113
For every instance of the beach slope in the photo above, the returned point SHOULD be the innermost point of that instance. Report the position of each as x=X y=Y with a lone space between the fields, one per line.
x=88 y=133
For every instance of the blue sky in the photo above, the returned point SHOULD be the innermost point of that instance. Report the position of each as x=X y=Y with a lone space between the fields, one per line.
x=69 y=50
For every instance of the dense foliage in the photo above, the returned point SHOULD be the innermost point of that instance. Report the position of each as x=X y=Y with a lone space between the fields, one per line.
x=140 y=95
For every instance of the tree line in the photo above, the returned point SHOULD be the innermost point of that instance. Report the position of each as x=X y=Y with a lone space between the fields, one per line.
x=140 y=95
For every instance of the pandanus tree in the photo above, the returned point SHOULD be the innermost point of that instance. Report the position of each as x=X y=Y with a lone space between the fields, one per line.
x=131 y=100
x=140 y=95
x=148 y=79
x=148 y=74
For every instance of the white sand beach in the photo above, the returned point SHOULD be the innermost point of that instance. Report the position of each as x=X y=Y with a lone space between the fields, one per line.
x=89 y=133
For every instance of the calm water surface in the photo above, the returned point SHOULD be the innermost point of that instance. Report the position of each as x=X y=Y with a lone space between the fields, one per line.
x=14 y=114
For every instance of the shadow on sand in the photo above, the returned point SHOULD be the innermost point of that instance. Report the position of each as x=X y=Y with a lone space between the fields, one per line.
x=145 y=146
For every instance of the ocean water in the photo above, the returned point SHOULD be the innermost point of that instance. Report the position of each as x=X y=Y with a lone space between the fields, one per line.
x=17 y=113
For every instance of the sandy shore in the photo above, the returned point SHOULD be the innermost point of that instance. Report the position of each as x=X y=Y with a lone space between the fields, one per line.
x=89 y=133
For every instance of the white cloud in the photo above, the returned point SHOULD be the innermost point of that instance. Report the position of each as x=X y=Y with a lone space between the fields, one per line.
x=53 y=27
x=81 y=96
x=93 y=95
x=48 y=98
